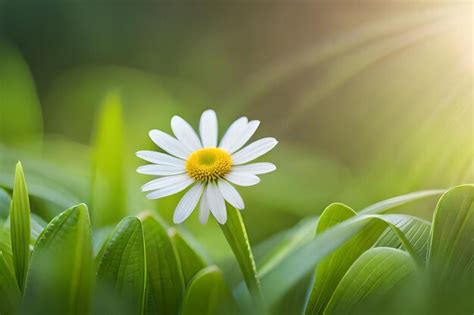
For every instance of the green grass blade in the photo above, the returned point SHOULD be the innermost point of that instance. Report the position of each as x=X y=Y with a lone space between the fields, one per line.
x=61 y=271
x=165 y=284
x=236 y=235
x=10 y=295
x=108 y=189
x=392 y=203
x=332 y=268
x=20 y=227
x=191 y=261
x=374 y=274
x=207 y=294
x=417 y=231
x=451 y=253
x=301 y=260
x=122 y=269
x=20 y=110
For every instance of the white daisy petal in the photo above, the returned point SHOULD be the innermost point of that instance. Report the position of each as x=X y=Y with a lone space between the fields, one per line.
x=165 y=181
x=254 y=150
x=216 y=203
x=187 y=204
x=160 y=170
x=230 y=194
x=159 y=158
x=169 y=144
x=245 y=136
x=170 y=190
x=203 y=210
x=242 y=179
x=232 y=134
x=185 y=133
x=208 y=128
x=255 y=168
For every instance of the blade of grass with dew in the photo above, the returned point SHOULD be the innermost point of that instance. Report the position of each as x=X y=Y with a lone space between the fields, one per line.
x=20 y=227
x=108 y=189
x=331 y=269
x=10 y=295
x=375 y=273
x=208 y=294
x=165 y=283
x=191 y=261
x=236 y=235
x=122 y=268
x=451 y=251
x=61 y=271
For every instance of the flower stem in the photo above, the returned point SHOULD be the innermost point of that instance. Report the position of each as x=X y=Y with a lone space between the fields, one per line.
x=236 y=235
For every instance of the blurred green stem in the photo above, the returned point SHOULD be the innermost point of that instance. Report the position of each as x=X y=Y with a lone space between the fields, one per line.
x=236 y=235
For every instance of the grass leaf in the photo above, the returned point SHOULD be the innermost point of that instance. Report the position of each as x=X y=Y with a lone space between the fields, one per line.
x=20 y=110
x=332 y=268
x=451 y=252
x=108 y=189
x=165 y=284
x=61 y=272
x=375 y=273
x=207 y=294
x=191 y=261
x=20 y=227
x=10 y=295
x=122 y=268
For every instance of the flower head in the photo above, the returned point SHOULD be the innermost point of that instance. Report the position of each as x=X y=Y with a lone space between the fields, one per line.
x=209 y=167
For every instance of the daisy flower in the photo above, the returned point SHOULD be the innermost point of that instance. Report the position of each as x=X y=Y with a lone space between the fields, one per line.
x=208 y=167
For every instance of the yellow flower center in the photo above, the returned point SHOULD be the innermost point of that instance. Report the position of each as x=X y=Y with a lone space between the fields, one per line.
x=208 y=164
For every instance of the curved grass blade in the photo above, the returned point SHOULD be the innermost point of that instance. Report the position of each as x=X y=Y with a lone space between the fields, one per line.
x=451 y=252
x=208 y=294
x=61 y=271
x=20 y=227
x=122 y=269
x=191 y=261
x=108 y=184
x=331 y=269
x=20 y=110
x=10 y=295
x=165 y=284
x=392 y=203
x=417 y=231
x=236 y=235
x=301 y=260
x=374 y=274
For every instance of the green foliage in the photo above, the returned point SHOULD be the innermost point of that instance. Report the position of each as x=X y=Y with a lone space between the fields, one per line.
x=191 y=261
x=165 y=283
x=236 y=234
x=123 y=268
x=10 y=295
x=61 y=272
x=108 y=187
x=451 y=252
x=20 y=227
x=20 y=111
x=207 y=294
x=375 y=273
x=361 y=261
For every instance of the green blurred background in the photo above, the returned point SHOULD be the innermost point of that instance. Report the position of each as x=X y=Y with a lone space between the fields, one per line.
x=369 y=99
